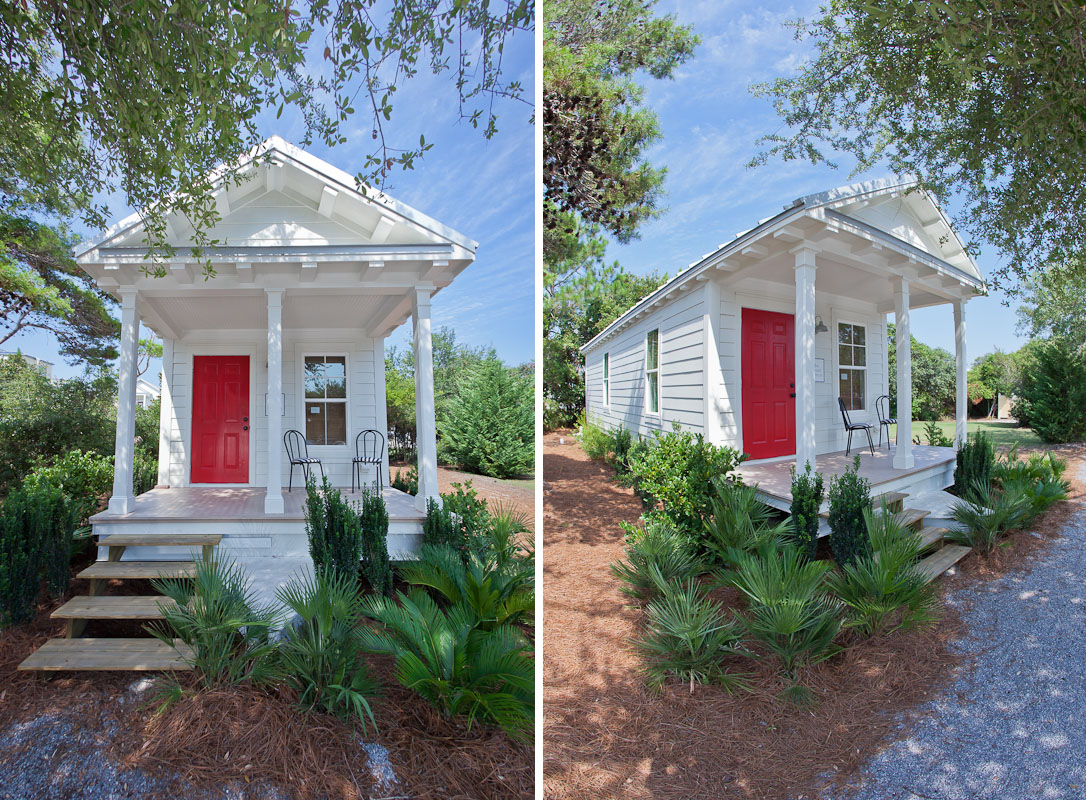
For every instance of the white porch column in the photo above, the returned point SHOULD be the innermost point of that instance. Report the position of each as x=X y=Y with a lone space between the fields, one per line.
x=903 y=455
x=273 y=497
x=124 y=451
x=165 y=416
x=960 y=414
x=381 y=398
x=425 y=423
x=714 y=377
x=805 y=350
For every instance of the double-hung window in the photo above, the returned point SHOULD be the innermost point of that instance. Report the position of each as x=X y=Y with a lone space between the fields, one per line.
x=326 y=400
x=606 y=379
x=652 y=371
x=852 y=365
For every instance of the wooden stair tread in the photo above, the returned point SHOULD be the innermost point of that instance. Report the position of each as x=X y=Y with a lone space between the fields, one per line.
x=139 y=569
x=929 y=537
x=108 y=654
x=876 y=505
x=890 y=498
x=159 y=540
x=910 y=516
x=943 y=559
x=113 y=607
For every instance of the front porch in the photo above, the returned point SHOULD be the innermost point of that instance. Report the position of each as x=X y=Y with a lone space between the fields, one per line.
x=932 y=471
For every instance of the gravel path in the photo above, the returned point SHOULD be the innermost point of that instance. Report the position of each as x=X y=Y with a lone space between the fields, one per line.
x=1013 y=725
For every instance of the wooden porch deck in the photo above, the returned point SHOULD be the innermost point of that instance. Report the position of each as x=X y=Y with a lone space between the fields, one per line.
x=775 y=482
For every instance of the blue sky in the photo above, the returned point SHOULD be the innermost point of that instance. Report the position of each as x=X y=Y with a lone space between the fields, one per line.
x=484 y=189
x=711 y=124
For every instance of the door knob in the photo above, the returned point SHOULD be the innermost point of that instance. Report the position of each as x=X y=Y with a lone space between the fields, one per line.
x=244 y=419
x=246 y=427
x=792 y=395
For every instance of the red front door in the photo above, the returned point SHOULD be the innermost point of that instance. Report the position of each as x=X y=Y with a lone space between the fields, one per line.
x=220 y=419
x=769 y=374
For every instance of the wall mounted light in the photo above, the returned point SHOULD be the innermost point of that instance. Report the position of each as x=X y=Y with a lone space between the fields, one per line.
x=820 y=326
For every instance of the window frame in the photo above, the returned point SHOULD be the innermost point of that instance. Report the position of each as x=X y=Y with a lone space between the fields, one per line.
x=606 y=380
x=866 y=368
x=346 y=400
x=653 y=371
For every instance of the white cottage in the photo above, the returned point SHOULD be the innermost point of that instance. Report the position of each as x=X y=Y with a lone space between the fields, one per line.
x=754 y=344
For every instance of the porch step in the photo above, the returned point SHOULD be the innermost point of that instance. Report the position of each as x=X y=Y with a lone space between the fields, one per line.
x=943 y=559
x=108 y=654
x=113 y=607
x=931 y=537
x=913 y=518
x=160 y=539
x=131 y=570
x=895 y=501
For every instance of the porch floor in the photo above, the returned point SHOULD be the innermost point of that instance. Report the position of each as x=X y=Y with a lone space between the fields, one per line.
x=773 y=477
x=209 y=504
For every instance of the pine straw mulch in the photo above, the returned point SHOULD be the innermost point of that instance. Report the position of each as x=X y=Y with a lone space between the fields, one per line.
x=606 y=735
x=242 y=735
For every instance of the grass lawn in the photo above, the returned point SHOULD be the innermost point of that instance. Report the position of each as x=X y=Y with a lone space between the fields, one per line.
x=1003 y=433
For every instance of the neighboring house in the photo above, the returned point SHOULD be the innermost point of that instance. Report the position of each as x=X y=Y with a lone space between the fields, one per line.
x=311 y=276
x=754 y=343
x=146 y=393
x=44 y=367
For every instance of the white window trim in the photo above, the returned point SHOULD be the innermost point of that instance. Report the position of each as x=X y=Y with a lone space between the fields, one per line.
x=329 y=449
x=606 y=380
x=867 y=326
x=659 y=393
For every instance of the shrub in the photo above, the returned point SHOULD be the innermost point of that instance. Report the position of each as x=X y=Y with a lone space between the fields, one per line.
x=675 y=471
x=789 y=612
x=489 y=427
x=986 y=514
x=20 y=559
x=656 y=556
x=53 y=518
x=975 y=460
x=459 y=668
x=876 y=585
x=144 y=472
x=215 y=613
x=1053 y=391
x=321 y=654
x=472 y=516
x=407 y=482
x=595 y=441
x=506 y=545
x=687 y=636
x=807 y=494
x=376 y=566
x=737 y=521
x=333 y=528
x=83 y=476
x=621 y=442
x=440 y=527
x=850 y=497
x=935 y=436
x=1038 y=467
x=496 y=596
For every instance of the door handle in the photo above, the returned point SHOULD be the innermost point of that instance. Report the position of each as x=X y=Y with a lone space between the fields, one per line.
x=790 y=386
x=246 y=427
x=792 y=395
x=244 y=419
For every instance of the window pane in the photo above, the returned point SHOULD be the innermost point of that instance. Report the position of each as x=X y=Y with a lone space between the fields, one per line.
x=336 y=387
x=654 y=392
x=859 y=334
x=859 y=356
x=652 y=349
x=844 y=352
x=336 y=423
x=314 y=376
x=844 y=389
x=336 y=366
x=314 y=423
x=606 y=366
x=859 y=389
x=844 y=333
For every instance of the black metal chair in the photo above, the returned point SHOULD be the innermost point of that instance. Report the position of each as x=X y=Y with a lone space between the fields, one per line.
x=298 y=454
x=371 y=452
x=882 y=411
x=851 y=427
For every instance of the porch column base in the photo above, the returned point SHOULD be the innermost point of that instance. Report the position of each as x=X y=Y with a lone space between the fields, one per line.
x=121 y=504
x=273 y=504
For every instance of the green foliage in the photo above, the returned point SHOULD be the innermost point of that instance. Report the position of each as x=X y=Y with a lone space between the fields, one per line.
x=934 y=378
x=1051 y=307
x=979 y=99
x=850 y=498
x=456 y=666
x=506 y=546
x=440 y=527
x=489 y=427
x=320 y=655
x=687 y=636
x=986 y=514
x=595 y=441
x=496 y=595
x=657 y=556
x=1037 y=467
x=789 y=612
x=675 y=470
x=84 y=477
x=877 y=586
x=376 y=567
x=992 y=374
x=53 y=518
x=807 y=494
x=472 y=519
x=737 y=521
x=20 y=558
x=935 y=436
x=408 y=482
x=333 y=528
x=975 y=460
x=1053 y=390
x=215 y=613
x=144 y=473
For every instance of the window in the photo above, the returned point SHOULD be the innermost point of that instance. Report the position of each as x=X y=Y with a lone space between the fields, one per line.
x=852 y=364
x=326 y=400
x=607 y=379
x=652 y=371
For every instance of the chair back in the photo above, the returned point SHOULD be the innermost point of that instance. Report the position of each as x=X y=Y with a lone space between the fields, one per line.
x=883 y=400
x=296 y=446
x=370 y=445
x=844 y=413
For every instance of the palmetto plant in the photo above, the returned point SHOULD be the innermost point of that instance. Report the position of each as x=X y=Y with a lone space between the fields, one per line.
x=789 y=611
x=496 y=595
x=458 y=667
x=506 y=525
x=986 y=514
x=687 y=636
x=215 y=613
x=878 y=584
x=656 y=556
x=320 y=655
x=738 y=521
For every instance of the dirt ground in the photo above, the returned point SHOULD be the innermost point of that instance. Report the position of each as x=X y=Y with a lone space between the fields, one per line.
x=606 y=735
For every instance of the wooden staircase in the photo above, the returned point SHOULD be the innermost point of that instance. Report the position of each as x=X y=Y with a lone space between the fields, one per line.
x=135 y=654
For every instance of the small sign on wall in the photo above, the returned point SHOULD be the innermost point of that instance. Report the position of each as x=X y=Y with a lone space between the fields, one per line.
x=820 y=370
